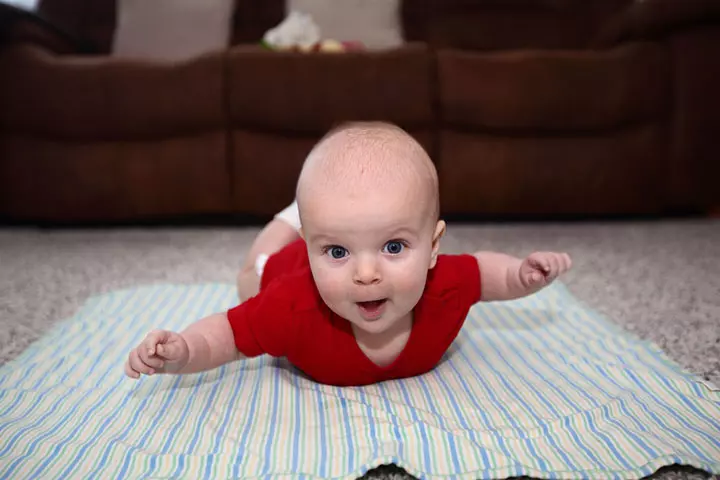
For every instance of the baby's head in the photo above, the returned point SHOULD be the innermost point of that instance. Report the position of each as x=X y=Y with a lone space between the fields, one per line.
x=368 y=201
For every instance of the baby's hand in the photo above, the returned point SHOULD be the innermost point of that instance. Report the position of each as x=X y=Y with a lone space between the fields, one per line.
x=541 y=268
x=160 y=352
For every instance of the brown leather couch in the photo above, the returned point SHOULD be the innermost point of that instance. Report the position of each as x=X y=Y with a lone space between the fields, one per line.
x=528 y=107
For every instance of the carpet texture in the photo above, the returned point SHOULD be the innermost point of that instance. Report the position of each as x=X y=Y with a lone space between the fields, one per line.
x=657 y=280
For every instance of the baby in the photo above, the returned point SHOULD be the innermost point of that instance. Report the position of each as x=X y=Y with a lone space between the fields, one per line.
x=354 y=291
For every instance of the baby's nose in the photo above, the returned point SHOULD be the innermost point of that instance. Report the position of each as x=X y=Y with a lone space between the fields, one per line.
x=366 y=272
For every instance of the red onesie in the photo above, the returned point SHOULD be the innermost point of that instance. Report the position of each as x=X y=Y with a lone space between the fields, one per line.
x=288 y=318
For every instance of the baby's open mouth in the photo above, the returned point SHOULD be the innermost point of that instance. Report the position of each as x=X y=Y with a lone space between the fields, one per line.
x=372 y=309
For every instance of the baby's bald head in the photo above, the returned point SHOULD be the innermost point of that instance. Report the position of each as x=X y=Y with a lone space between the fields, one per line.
x=358 y=159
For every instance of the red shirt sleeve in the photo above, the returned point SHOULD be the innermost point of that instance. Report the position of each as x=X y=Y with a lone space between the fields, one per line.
x=470 y=281
x=265 y=323
x=461 y=274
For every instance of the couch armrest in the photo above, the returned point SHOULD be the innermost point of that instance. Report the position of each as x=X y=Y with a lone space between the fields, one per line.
x=646 y=19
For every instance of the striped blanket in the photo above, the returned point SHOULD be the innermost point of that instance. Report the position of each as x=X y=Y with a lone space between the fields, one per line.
x=541 y=387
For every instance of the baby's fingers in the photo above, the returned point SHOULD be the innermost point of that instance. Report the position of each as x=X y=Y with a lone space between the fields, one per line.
x=168 y=351
x=129 y=371
x=560 y=264
x=555 y=267
x=153 y=339
x=138 y=365
x=153 y=361
x=536 y=263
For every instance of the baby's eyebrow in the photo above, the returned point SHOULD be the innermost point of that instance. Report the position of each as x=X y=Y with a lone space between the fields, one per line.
x=323 y=239
x=402 y=232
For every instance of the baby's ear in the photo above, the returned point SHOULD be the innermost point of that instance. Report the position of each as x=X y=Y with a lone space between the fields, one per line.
x=439 y=232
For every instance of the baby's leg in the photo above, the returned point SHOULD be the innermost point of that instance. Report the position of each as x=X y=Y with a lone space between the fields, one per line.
x=281 y=231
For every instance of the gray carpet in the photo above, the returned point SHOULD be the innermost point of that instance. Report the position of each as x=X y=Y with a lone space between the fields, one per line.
x=658 y=280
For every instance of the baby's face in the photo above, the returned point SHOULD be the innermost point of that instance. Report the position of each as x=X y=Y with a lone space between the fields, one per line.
x=370 y=253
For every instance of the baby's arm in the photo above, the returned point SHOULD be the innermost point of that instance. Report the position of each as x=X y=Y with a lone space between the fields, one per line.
x=503 y=277
x=204 y=345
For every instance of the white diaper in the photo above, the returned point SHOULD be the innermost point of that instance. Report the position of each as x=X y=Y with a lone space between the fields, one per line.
x=289 y=215
x=260 y=262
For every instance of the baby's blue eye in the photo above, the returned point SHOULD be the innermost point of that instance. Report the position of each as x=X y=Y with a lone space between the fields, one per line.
x=394 y=247
x=337 y=252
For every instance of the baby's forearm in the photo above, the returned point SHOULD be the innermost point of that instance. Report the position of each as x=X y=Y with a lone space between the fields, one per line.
x=499 y=276
x=210 y=344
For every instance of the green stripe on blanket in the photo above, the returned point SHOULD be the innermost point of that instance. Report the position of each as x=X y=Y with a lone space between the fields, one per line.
x=541 y=387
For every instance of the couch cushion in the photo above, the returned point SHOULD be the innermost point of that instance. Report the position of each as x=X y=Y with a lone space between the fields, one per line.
x=610 y=173
x=101 y=98
x=297 y=92
x=375 y=23
x=171 y=29
x=568 y=90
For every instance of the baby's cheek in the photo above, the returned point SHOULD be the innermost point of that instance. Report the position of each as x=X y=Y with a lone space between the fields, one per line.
x=410 y=281
x=330 y=286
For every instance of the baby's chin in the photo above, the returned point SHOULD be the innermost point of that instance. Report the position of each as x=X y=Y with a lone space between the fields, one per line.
x=373 y=327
